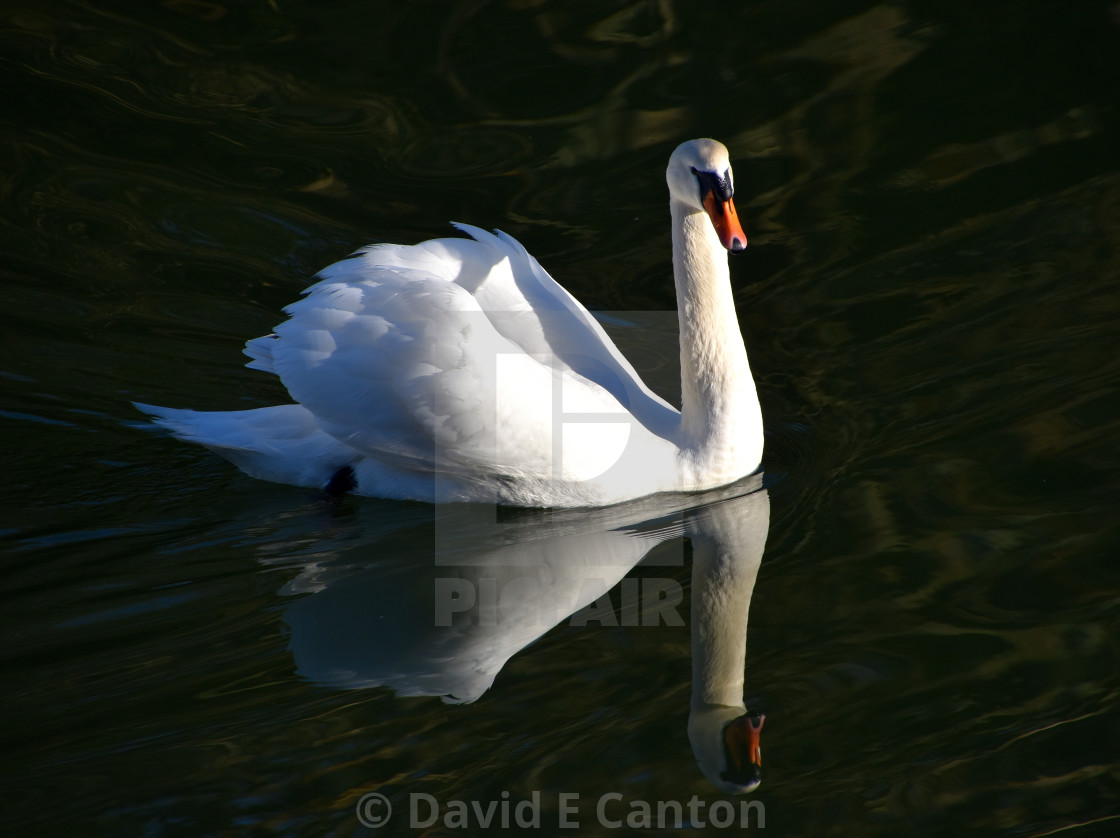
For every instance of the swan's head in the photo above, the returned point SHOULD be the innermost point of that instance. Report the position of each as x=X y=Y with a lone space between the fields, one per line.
x=699 y=176
x=727 y=744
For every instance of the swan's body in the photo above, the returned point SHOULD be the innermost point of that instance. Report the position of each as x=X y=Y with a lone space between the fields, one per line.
x=459 y=370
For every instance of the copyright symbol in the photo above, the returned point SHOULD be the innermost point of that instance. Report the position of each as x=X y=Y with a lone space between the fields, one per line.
x=373 y=810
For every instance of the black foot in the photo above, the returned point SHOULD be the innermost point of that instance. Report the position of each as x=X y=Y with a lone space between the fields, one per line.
x=342 y=482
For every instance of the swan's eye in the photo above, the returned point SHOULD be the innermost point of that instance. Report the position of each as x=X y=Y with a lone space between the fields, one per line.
x=711 y=182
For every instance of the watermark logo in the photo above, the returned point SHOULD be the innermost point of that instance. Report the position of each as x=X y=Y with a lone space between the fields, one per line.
x=534 y=423
x=529 y=601
x=610 y=810
x=373 y=810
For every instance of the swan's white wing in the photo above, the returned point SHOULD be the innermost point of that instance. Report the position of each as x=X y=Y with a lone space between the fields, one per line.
x=405 y=366
x=562 y=326
x=523 y=303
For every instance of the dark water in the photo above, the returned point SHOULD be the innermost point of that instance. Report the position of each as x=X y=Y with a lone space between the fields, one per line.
x=930 y=303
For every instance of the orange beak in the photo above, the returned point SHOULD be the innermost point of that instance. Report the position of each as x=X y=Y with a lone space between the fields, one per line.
x=745 y=734
x=726 y=221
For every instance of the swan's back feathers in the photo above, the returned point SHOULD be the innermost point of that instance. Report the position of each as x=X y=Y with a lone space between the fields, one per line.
x=523 y=304
x=456 y=356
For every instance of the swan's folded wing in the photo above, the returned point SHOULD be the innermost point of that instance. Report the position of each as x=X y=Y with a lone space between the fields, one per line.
x=406 y=367
x=525 y=305
x=566 y=329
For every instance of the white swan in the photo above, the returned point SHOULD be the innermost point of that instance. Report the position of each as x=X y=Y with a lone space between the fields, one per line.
x=459 y=370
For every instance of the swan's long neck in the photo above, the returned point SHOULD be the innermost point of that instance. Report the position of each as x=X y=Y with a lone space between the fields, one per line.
x=719 y=407
x=725 y=560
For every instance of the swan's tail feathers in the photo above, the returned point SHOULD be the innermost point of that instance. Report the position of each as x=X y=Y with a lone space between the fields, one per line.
x=283 y=444
x=260 y=350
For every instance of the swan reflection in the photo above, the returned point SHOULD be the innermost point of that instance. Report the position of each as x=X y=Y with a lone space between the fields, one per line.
x=444 y=623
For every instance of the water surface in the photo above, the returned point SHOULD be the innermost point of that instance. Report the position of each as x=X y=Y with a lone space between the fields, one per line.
x=932 y=192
